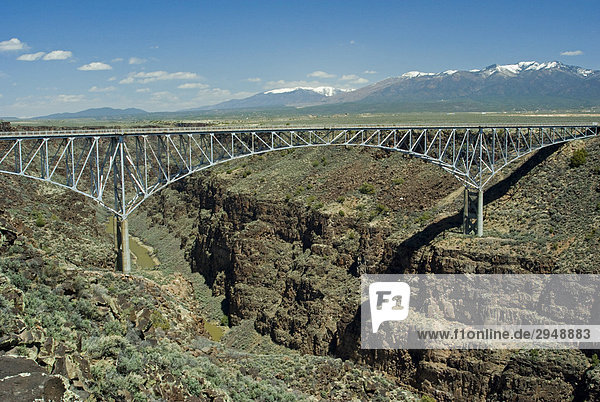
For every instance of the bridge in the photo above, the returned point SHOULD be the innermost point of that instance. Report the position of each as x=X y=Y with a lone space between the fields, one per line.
x=120 y=168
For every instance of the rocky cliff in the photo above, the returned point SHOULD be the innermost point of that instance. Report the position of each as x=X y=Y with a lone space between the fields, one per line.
x=286 y=246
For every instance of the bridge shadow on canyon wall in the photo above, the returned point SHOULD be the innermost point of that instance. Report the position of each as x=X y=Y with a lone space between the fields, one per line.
x=401 y=261
x=404 y=363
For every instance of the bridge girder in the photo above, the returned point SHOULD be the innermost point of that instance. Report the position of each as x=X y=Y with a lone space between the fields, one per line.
x=119 y=169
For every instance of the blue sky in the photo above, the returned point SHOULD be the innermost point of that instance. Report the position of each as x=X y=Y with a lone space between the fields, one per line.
x=60 y=56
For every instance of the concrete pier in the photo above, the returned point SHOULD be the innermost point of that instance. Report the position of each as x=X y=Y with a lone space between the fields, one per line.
x=473 y=212
x=122 y=242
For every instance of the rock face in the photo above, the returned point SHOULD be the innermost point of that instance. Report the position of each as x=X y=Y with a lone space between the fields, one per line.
x=24 y=380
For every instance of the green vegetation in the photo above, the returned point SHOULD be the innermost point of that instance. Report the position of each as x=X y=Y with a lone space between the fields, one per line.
x=424 y=217
x=40 y=221
x=367 y=188
x=578 y=158
x=381 y=208
x=595 y=360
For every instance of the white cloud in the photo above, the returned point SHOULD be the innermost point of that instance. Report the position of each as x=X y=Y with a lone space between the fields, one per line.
x=192 y=85
x=571 y=53
x=12 y=44
x=320 y=74
x=352 y=42
x=69 y=98
x=210 y=96
x=164 y=96
x=369 y=72
x=292 y=84
x=112 y=79
x=31 y=56
x=354 y=79
x=95 y=66
x=58 y=55
x=136 y=60
x=253 y=79
x=117 y=60
x=142 y=90
x=99 y=89
x=143 y=77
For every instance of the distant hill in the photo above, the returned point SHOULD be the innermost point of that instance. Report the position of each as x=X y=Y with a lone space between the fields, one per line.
x=96 y=113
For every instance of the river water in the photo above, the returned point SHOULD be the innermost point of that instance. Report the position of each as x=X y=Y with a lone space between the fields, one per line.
x=142 y=254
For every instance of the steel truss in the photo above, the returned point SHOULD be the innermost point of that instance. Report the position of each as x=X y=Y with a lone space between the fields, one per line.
x=121 y=168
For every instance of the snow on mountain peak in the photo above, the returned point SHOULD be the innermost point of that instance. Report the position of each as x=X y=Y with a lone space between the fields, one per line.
x=414 y=74
x=325 y=91
x=514 y=69
x=508 y=70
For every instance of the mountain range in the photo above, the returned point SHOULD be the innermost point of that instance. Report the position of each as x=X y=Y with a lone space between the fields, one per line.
x=496 y=87
x=522 y=86
x=98 y=113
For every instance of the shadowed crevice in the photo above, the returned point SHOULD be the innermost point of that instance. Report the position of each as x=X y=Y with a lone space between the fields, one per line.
x=405 y=251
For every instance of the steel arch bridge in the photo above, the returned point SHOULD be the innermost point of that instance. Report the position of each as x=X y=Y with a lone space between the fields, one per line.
x=119 y=169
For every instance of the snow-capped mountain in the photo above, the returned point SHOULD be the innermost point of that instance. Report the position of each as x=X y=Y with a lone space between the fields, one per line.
x=509 y=70
x=527 y=84
x=325 y=91
x=523 y=85
x=281 y=97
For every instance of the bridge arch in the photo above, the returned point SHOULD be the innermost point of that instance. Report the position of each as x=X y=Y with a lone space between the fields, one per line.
x=119 y=169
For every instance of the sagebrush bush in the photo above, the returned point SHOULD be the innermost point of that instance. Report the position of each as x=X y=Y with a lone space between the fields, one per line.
x=367 y=188
x=578 y=158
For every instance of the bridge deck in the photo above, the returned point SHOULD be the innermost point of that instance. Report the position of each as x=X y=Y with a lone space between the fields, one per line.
x=245 y=129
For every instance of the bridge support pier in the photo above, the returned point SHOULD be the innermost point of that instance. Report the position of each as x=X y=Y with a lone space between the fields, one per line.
x=473 y=212
x=122 y=244
x=480 y=213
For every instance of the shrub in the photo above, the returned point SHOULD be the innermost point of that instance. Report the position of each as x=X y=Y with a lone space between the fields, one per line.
x=382 y=208
x=159 y=321
x=595 y=360
x=341 y=212
x=341 y=199
x=39 y=220
x=225 y=320
x=424 y=217
x=578 y=158
x=367 y=188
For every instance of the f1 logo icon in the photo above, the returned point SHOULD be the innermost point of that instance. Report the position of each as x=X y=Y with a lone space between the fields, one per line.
x=389 y=302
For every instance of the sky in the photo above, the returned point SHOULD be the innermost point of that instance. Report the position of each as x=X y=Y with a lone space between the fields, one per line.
x=67 y=56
